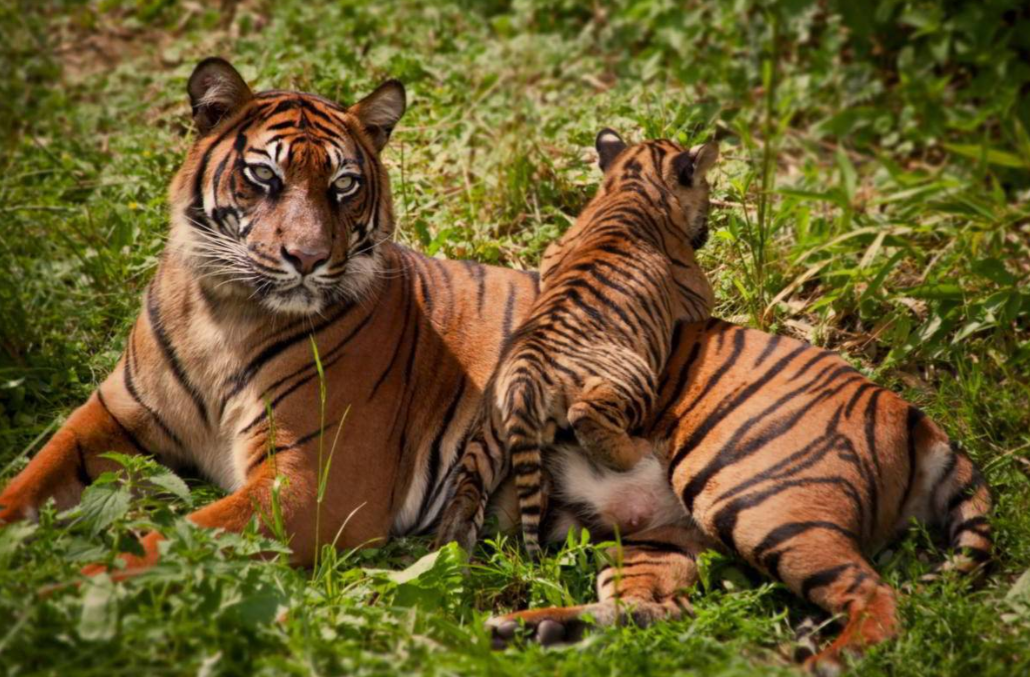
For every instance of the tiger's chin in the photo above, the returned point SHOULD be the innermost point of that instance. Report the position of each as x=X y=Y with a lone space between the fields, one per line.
x=297 y=301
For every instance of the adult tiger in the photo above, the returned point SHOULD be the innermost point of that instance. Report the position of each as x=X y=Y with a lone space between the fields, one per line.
x=280 y=221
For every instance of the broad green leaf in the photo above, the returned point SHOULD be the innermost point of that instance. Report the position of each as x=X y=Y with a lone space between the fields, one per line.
x=417 y=569
x=994 y=270
x=11 y=538
x=942 y=290
x=104 y=504
x=848 y=175
x=173 y=484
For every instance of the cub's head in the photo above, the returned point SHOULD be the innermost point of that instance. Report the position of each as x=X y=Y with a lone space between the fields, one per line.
x=669 y=169
x=283 y=198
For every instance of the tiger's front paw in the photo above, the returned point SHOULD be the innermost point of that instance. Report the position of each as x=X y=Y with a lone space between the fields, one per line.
x=133 y=564
x=545 y=627
x=12 y=510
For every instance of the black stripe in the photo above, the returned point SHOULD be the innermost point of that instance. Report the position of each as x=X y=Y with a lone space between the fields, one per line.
x=125 y=431
x=130 y=385
x=172 y=357
x=432 y=464
x=649 y=544
x=241 y=378
x=331 y=357
x=785 y=532
x=966 y=492
x=700 y=479
x=823 y=578
x=81 y=473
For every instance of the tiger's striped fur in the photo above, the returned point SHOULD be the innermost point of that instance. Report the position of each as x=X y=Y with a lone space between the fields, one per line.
x=589 y=354
x=785 y=455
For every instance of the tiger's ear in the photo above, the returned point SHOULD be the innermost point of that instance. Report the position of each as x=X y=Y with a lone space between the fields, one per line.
x=704 y=157
x=379 y=112
x=692 y=165
x=216 y=91
x=609 y=144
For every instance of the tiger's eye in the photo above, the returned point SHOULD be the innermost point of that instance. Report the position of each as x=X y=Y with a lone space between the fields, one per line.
x=344 y=183
x=263 y=173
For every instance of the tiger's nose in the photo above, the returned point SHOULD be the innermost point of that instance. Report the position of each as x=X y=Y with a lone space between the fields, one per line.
x=305 y=260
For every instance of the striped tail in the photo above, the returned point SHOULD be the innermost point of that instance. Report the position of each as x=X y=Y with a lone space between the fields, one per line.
x=526 y=464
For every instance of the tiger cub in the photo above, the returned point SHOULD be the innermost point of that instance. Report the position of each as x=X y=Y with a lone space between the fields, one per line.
x=590 y=352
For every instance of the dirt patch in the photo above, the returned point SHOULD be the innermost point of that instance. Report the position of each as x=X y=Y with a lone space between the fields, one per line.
x=92 y=40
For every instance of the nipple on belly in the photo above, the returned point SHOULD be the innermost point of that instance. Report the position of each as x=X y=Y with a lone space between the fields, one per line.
x=630 y=514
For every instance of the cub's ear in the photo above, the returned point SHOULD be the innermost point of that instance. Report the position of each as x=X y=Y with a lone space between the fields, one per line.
x=216 y=91
x=379 y=112
x=704 y=156
x=692 y=165
x=609 y=144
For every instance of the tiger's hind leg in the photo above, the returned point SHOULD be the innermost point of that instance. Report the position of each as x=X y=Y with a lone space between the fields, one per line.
x=950 y=493
x=601 y=416
x=826 y=568
x=646 y=581
x=963 y=503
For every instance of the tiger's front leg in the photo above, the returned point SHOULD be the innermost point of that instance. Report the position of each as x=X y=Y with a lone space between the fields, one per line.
x=647 y=580
x=68 y=462
x=346 y=521
x=296 y=505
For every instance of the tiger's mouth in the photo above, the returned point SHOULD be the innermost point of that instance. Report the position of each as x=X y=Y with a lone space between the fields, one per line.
x=352 y=281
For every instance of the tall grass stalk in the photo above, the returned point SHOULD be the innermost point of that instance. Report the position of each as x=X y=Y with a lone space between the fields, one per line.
x=323 y=469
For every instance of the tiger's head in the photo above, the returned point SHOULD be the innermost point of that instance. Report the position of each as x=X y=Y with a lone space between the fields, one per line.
x=668 y=167
x=283 y=198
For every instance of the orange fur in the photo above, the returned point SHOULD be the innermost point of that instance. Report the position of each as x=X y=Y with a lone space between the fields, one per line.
x=785 y=455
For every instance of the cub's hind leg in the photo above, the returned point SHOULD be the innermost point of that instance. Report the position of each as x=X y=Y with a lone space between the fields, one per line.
x=601 y=417
x=483 y=466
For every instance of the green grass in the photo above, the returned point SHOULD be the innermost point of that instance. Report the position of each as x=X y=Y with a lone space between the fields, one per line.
x=872 y=199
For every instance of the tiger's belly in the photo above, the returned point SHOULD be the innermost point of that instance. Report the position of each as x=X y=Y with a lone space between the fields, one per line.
x=588 y=495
